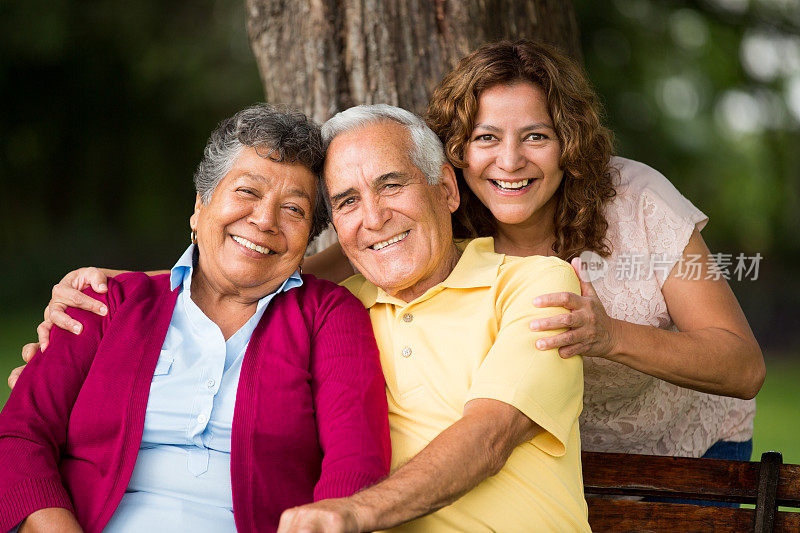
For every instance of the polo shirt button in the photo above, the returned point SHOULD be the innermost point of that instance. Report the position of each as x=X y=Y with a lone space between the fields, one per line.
x=408 y=317
x=406 y=352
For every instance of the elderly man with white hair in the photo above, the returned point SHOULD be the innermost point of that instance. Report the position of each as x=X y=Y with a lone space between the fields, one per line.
x=484 y=427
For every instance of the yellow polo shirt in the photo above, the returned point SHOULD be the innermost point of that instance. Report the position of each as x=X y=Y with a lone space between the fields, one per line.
x=469 y=337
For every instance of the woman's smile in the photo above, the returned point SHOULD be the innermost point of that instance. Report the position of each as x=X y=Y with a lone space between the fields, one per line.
x=252 y=247
x=513 y=187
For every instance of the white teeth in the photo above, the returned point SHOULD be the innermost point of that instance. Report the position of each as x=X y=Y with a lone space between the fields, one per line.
x=511 y=185
x=384 y=244
x=253 y=246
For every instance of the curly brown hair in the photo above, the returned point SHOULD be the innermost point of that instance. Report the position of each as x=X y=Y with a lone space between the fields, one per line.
x=586 y=144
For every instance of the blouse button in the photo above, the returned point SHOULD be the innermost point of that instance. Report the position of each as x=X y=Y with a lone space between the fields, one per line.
x=408 y=317
x=210 y=383
x=406 y=352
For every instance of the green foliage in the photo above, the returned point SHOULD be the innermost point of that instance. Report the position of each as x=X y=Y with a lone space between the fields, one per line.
x=689 y=90
x=107 y=108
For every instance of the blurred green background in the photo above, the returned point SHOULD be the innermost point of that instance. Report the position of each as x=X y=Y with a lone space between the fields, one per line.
x=106 y=106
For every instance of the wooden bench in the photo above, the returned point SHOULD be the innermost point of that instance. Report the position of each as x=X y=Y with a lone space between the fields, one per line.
x=766 y=484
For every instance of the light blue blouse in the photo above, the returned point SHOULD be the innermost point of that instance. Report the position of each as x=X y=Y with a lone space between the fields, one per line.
x=181 y=480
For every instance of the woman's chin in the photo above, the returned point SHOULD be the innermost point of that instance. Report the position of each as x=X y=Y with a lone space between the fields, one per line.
x=511 y=217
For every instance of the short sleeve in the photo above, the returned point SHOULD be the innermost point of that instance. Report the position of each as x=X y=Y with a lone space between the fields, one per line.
x=542 y=385
x=666 y=217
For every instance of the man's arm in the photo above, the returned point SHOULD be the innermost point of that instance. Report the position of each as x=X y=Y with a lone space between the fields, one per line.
x=458 y=459
x=50 y=519
x=67 y=293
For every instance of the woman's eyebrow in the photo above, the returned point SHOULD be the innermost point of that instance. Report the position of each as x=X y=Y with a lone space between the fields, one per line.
x=533 y=126
x=294 y=191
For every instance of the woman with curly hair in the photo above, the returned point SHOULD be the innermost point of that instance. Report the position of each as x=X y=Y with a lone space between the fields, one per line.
x=671 y=364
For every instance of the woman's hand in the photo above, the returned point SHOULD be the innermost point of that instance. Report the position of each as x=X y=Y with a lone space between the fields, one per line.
x=591 y=331
x=50 y=519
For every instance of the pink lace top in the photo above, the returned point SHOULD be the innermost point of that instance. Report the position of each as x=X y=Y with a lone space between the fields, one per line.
x=650 y=223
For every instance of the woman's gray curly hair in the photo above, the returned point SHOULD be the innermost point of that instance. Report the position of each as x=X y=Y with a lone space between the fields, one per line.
x=278 y=133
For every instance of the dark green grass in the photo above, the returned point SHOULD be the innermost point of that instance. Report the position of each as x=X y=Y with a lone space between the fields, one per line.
x=777 y=425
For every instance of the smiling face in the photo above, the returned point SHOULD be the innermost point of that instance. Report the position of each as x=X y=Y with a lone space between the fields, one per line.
x=252 y=233
x=513 y=155
x=392 y=224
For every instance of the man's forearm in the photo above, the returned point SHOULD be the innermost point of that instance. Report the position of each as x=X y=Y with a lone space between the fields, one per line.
x=456 y=461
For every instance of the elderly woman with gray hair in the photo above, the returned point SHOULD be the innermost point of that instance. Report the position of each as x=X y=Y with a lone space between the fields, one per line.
x=215 y=396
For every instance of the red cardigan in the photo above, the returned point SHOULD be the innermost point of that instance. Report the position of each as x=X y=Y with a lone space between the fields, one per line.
x=310 y=419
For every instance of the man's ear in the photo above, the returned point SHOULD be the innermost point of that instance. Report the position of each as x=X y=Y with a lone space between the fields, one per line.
x=198 y=204
x=447 y=179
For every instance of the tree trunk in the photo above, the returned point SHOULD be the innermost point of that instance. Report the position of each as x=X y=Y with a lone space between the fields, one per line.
x=322 y=56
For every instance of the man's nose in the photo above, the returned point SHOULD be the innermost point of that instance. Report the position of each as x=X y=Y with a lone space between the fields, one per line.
x=375 y=213
x=510 y=158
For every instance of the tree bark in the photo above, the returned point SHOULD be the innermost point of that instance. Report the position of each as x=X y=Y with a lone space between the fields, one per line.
x=322 y=56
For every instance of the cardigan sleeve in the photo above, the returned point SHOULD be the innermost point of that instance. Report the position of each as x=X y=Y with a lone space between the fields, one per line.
x=349 y=398
x=33 y=423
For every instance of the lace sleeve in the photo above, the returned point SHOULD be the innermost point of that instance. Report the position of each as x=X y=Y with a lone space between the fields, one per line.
x=666 y=216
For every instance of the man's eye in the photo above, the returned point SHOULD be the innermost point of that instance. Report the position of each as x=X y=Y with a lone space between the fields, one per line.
x=346 y=202
x=246 y=190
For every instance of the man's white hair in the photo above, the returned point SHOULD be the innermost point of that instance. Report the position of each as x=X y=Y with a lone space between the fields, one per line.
x=427 y=152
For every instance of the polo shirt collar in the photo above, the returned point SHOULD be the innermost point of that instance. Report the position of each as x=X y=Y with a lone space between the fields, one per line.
x=477 y=267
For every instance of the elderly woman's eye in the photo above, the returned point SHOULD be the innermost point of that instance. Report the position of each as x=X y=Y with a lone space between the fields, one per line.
x=296 y=210
x=246 y=190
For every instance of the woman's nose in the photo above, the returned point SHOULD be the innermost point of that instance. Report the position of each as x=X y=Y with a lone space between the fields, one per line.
x=510 y=157
x=265 y=216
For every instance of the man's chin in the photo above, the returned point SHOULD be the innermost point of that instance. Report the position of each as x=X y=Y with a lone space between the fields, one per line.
x=390 y=282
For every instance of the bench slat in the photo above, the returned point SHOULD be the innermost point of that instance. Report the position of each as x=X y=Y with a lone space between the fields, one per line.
x=789 y=485
x=679 y=477
x=623 y=515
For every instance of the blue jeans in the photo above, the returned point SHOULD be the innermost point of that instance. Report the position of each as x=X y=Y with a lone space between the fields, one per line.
x=724 y=449
x=735 y=451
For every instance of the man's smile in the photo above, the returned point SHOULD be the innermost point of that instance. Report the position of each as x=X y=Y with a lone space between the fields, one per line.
x=397 y=238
